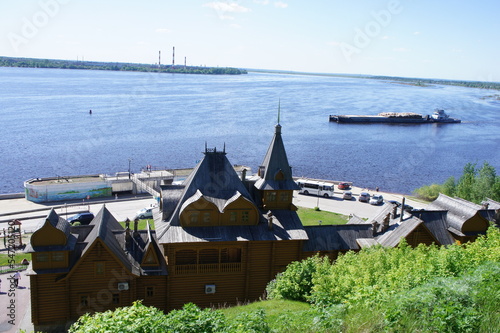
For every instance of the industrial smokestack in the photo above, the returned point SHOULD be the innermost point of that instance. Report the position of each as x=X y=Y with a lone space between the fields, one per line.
x=159 y=58
x=173 y=56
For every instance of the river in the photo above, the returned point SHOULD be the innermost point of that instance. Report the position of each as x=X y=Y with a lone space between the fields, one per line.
x=164 y=120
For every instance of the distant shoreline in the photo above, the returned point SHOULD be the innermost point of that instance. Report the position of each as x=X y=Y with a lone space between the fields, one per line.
x=419 y=82
x=181 y=69
x=117 y=66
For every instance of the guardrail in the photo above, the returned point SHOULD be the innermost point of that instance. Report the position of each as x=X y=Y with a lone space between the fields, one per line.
x=12 y=268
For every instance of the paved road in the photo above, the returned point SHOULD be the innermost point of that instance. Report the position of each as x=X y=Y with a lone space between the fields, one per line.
x=18 y=299
x=338 y=205
x=31 y=214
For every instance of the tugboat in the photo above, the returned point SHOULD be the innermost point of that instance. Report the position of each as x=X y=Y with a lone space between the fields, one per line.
x=439 y=116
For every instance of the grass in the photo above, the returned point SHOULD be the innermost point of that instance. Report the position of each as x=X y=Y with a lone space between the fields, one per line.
x=273 y=308
x=310 y=216
x=142 y=224
x=18 y=257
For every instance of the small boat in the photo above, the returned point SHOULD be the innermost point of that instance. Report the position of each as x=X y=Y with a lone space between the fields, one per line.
x=439 y=116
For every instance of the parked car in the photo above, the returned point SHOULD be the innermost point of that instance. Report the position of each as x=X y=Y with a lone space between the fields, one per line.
x=145 y=213
x=83 y=218
x=364 y=197
x=407 y=208
x=347 y=195
x=377 y=199
x=344 y=186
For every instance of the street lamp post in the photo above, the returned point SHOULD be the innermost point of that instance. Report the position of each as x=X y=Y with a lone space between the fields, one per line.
x=129 y=160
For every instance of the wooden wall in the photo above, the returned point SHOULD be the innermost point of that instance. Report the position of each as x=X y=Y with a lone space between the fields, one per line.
x=49 y=303
x=421 y=235
x=261 y=261
x=99 y=288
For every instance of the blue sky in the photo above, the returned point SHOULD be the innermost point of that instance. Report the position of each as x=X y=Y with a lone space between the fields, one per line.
x=415 y=38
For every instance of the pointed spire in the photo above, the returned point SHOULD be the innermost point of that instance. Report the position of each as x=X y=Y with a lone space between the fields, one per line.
x=278 y=126
x=279 y=110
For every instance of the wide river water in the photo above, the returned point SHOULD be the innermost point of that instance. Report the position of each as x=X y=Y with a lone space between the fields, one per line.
x=164 y=120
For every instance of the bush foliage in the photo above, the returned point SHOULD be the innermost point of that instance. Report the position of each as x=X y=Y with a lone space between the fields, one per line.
x=475 y=184
x=423 y=289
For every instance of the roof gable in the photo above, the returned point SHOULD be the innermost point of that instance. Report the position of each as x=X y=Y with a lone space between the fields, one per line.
x=275 y=172
x=52 y=235
x=213 y=179
x=462 y=215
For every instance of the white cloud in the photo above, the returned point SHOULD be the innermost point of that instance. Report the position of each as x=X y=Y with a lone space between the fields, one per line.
x=416 y=33
x=261 y=2
x=385 y=37
x=163 y=31
x=280 y=4
x=235 y=26
x=231 y=7
x=224 y=7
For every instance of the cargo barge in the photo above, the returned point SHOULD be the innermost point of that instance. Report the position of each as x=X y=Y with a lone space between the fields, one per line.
x=439 y=116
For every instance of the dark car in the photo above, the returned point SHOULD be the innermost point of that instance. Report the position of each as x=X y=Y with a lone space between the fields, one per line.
x=83 y=218
x=364 y=197
x=344 y=186
x=407 y=208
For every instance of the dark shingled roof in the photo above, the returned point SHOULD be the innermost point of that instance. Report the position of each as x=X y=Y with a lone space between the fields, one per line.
x=105 y=228
x=459 y=210
x=336 y=237
x=286 y=225
x=396 y=232
x=492 y=204
x=276 y=161
x=214 y=178
x=435 y=221
x=58 y=222
x=61 y=224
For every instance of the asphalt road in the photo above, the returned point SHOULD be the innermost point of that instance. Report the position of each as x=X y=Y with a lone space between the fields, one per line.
x=32 y=214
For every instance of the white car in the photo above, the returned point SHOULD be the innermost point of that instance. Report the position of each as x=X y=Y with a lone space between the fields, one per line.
x=376 y=199
x=145 y=213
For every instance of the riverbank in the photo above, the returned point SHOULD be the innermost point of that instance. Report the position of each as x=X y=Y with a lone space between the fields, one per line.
x=117 y=66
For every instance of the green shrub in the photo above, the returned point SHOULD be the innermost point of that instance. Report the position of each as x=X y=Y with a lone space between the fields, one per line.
x=134 y=319
x=192 y=319
x=295 y=283
x=249 y=322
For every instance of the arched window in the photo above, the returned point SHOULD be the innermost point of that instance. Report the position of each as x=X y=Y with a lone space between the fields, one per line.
x=279 y=175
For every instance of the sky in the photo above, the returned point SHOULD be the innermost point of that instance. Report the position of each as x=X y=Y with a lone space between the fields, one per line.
x=444 y=39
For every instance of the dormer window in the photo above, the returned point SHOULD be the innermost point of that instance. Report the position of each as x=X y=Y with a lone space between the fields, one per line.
x=42 y=257
x=206 y=217
x=193 y=217
x=245 y=216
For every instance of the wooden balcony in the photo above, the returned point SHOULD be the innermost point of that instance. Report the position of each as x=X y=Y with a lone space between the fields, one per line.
x=207 y=268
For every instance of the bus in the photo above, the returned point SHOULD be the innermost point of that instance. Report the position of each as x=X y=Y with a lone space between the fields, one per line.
x=323 y=189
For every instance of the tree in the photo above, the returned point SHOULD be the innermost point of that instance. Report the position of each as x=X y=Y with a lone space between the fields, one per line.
x=465 y=186
x=449 y=187
x=484 y=186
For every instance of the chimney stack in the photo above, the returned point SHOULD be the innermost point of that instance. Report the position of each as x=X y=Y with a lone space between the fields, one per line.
x=270 y=221
x=402 y=210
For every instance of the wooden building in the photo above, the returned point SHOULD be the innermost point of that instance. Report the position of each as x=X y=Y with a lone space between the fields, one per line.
x=219 y=239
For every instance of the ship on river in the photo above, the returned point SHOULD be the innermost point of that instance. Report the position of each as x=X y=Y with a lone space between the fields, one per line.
x=439 y=116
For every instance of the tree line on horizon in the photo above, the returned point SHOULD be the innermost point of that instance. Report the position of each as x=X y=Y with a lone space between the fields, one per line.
x=91 y=65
